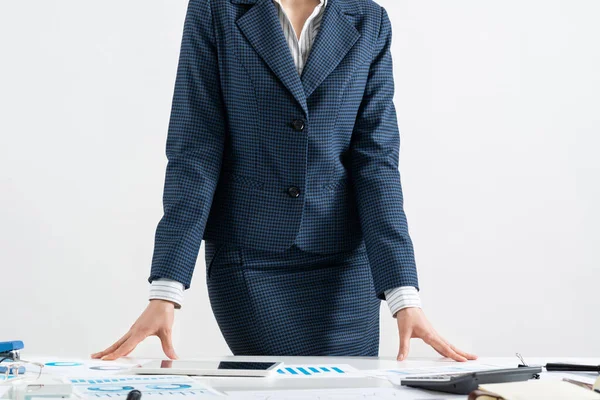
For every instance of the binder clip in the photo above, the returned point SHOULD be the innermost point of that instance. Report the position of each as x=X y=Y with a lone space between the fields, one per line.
x=524 y=364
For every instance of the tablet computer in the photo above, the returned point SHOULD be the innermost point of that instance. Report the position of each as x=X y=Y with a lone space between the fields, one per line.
x=208 y=368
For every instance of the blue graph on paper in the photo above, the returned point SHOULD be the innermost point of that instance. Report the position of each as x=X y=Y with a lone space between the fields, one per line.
x=119 y=380
x=120 y=386
x=71 y=367
x=314 y=370
x=63 y=364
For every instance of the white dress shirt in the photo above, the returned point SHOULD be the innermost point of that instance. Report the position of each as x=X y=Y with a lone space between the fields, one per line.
x=397 y=298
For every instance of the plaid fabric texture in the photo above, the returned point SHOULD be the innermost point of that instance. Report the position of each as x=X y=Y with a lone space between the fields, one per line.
x=262 y=157
x=293 y=303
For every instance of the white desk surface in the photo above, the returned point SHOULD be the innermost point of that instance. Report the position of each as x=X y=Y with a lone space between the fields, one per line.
x=235 y=384
x=364 y=363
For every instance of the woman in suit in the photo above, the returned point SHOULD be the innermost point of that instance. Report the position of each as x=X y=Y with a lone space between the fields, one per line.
x=283 y=152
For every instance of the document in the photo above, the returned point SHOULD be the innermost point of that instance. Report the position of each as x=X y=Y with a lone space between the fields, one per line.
x=82 y=367
x=396 y=374
x=164 y=386
x=448 y=369
x=4 y=389
x=340 y=394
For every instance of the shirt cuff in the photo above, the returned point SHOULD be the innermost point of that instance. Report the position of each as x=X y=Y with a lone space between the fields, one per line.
x=167 y=289
x=402 y=297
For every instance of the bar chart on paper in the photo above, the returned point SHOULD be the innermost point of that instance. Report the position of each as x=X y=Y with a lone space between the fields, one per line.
x=316 y=371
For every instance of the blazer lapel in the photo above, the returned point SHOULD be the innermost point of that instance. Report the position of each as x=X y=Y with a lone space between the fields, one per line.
x=336 y=36
x=261 y=26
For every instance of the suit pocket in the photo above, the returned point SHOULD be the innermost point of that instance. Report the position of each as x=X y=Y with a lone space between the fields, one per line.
x=221 y=255
x=211 y=251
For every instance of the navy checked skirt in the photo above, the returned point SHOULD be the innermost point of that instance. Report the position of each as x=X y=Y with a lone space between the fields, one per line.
x=293 y=303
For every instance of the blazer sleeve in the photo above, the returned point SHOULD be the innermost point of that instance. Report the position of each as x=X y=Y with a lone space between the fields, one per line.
x=194 y=149
x=374 y=153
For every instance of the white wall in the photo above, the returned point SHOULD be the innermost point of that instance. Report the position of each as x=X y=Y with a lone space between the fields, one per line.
x=498 y=106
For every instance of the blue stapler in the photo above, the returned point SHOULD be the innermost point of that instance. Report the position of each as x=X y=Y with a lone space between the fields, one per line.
x=11 y=350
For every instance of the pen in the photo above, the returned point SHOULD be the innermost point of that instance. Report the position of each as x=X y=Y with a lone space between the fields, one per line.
x=572 y=367
x=134 y=395
x=564 y=366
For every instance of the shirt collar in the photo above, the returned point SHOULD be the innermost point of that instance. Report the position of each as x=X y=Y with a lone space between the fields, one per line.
x=322 y=2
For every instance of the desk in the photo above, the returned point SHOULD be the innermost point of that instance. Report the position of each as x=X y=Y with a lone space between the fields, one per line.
x=236 y=384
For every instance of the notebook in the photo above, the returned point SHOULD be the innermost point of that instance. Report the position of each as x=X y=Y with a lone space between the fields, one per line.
x=533 y=390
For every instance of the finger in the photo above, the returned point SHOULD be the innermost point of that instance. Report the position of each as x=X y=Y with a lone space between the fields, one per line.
x=443 y=348
x=167 y=344
x=446 y=351
x=404 y=344
x=129 y=352
x=122 y=350
x=468 y=356
x=113 y=347
x=126 y=348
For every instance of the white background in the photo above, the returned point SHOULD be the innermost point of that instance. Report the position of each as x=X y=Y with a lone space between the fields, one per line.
x=498 y=107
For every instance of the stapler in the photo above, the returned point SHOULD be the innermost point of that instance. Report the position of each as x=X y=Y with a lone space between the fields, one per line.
x=11 y=350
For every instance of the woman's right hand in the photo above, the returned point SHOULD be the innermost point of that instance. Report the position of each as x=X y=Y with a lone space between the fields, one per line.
x=156 y=320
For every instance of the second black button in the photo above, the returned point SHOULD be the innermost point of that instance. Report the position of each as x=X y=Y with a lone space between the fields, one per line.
x=293 y=191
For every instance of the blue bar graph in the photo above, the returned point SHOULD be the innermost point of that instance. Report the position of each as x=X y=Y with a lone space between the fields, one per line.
x=308 y=370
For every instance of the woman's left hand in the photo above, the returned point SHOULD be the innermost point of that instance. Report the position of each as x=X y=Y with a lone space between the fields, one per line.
x=412 y=323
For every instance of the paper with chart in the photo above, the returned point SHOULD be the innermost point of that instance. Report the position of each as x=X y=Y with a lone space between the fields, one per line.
x=395 y=375
x=163 y=386
x=82 y=367
x=433 y=370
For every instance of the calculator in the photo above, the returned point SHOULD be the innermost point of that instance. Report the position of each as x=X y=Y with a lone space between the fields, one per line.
x=466 y=382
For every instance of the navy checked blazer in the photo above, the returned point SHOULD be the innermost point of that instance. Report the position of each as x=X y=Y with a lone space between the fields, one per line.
x=263 y=157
